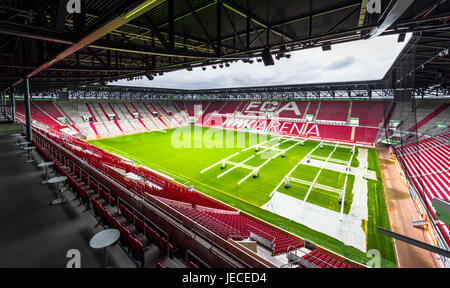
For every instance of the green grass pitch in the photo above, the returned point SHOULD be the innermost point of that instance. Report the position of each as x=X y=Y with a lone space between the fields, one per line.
x=182 y=153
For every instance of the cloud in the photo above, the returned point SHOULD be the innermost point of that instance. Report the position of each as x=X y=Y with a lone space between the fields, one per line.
x=342 y=63
x=352 y=61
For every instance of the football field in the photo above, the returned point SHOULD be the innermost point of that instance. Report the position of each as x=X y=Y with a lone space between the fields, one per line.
x=328 y=200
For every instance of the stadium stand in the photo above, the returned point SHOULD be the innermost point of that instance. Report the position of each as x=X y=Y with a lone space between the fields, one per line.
x=323 y=261
x=235 y=225
x=369 y=113
x=331 y=123
x=136 y=233
x=426 y=162
x=333 y=111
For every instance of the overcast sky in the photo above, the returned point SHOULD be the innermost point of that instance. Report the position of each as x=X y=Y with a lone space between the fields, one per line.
x=353 y=61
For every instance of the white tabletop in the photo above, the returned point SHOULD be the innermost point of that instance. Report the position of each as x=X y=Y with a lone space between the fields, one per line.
x=57 y=179
x=29 y=148
x=24 y=143
x=104 y=238
x=45 y=164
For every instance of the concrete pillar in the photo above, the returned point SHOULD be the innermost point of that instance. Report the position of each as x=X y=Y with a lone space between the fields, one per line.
x=27 y=100
x=13 y=105
x=2 y=104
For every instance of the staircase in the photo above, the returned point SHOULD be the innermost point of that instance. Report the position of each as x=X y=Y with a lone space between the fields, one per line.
x=105 y=126
x=126 y=118
x=150 y=116
x=429 y=117
x=317 y=111
x=306 y=110
x=419 y=223
x=349 y=115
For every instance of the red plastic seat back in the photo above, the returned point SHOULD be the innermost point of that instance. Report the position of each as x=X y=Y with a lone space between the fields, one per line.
x=192 y=265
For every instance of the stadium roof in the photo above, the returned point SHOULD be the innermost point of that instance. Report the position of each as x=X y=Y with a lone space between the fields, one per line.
x=117 y=39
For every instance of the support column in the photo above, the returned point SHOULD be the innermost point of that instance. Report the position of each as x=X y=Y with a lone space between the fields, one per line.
x=2 y=104
x=13 y=105
x=27 y=100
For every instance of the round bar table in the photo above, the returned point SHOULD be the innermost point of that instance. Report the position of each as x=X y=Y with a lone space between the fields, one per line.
x=19 y=138
x=28 y=150
x=46 y=165
x=23 y=143
x=103 y=239
x=57 y=181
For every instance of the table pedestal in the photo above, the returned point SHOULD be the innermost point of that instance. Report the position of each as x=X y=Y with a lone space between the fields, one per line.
x=59 y=199
x=46 y=176
x=29 y=159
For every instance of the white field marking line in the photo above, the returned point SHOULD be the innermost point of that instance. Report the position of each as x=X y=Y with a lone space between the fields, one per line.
x=318 y=174
x=341 y=217
x=267 y=161
x=316 y=185
x=206 y=169
x=271 y=147
x=351 y=159
x=235 y=166
x=240 y=165
x=276 y=138
x=292 y=170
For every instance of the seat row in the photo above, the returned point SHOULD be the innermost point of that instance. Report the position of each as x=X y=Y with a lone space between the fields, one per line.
x=135 y=234
x=228 y=225
x=324 y=261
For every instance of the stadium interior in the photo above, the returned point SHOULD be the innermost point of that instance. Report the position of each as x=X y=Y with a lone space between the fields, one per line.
x=358 y=156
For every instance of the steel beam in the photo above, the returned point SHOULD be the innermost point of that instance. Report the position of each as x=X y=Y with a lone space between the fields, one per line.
x=141 y=49
x=156 y=31
x=219 y=6
x=191 y=8
x=392 y=16
x=171 y=24
x=28 y=31
x=109 y=22
x=244 y=13
x=414 y=242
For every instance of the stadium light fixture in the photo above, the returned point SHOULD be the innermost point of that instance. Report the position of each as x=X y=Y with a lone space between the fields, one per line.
x=444 y=53
x=401 y=37
x=267 y=57
x=326 y=47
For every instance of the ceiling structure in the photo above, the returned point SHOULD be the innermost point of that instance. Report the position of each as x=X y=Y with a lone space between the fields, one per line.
x=122 y=39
